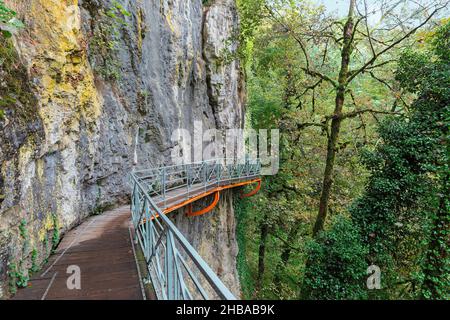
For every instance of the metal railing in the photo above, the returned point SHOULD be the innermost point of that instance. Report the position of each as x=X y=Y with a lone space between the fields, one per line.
x=176 y=269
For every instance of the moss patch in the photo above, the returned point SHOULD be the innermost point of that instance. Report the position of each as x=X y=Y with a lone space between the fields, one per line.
x=18 y=105
x=104 y=45
x=15 y=92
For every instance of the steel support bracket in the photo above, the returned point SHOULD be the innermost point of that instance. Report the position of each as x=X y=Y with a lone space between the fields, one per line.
x=253 y=192
x=190 y=212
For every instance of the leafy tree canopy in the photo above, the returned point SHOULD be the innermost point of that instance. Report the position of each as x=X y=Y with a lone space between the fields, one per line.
x=8 y=20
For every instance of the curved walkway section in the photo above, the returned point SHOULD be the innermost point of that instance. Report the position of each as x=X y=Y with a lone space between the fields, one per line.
x=176 y=270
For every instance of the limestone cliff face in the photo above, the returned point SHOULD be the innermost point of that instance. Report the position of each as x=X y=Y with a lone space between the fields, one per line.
x=76 y=87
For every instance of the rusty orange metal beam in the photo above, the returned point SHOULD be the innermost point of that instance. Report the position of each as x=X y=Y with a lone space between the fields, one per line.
x=207 y=193
x=190 y=213
x=253 y=192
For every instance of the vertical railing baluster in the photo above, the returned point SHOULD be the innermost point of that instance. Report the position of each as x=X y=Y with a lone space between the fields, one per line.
x=137 y=206
x=176 y=279
x=145 y=236
x=169 y=267
x=247 y=165
x=151 y=245
x=186 y=172
x=205 y=178
x=169 y=271
x=163 y=178
x=218 y=166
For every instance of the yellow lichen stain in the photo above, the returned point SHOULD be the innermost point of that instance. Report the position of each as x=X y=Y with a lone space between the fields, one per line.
x=25 y=153
x=171 y=25
x=198 y=67
x=48 y=83
x=48 y=225
x=67 y=87
x=40 y=169
x=89 y=97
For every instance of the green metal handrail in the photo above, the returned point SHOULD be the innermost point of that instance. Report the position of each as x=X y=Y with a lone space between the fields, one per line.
x=170 y=257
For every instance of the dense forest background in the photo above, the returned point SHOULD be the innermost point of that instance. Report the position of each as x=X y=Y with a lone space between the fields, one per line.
x=362 y=104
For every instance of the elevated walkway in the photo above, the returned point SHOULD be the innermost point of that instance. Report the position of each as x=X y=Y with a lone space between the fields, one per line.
x=176 y=270
x=111 y=267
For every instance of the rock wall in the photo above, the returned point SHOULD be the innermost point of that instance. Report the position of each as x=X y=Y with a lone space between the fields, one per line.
x=76 y=87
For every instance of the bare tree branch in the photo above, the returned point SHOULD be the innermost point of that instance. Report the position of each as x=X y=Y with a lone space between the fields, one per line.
x=367 y=29
x=354 y=73
x=308 y=69
x=380 y=64
x=358 y=112
x=381 y=81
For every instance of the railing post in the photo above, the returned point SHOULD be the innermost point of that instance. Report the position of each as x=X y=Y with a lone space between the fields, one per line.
x=163 y=182
x=135 y=212
x=218 y=171
x=133 y=204
x=170 y=270
x=149 y=226
x=205 y=174
x=143 y=229
x=188 y=178
x=247 y=166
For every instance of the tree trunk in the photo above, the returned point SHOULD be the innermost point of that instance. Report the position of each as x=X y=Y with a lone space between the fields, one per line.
x=261 y=256
x=336 y=122
x=286 y=254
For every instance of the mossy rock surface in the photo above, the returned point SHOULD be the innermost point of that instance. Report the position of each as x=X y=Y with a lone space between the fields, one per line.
x=19 y=120
x=18 y=104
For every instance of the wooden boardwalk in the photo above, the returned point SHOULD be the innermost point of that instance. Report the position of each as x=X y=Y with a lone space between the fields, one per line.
x=102 y=248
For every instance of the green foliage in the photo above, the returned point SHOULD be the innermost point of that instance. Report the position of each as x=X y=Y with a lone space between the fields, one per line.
x=46 y=247
x=391 y=212
x=16 y=97
x=337 y=266
x=431 y=120
x=403 y=216
x=245 y=275
x=250 y=15
x=105 y=42
x=398 y=180
x=12 y=286
x=23 y=229
x=5 y=13
x=34 y=263
x=8 y=20
x=56 y=234
x=17 y=278
x=288 y=201
x=441 y=43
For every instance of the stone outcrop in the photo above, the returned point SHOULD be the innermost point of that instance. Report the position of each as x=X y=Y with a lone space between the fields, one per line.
x=77 y=85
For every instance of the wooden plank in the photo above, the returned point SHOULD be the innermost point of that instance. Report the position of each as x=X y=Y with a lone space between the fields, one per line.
x=102 y=248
